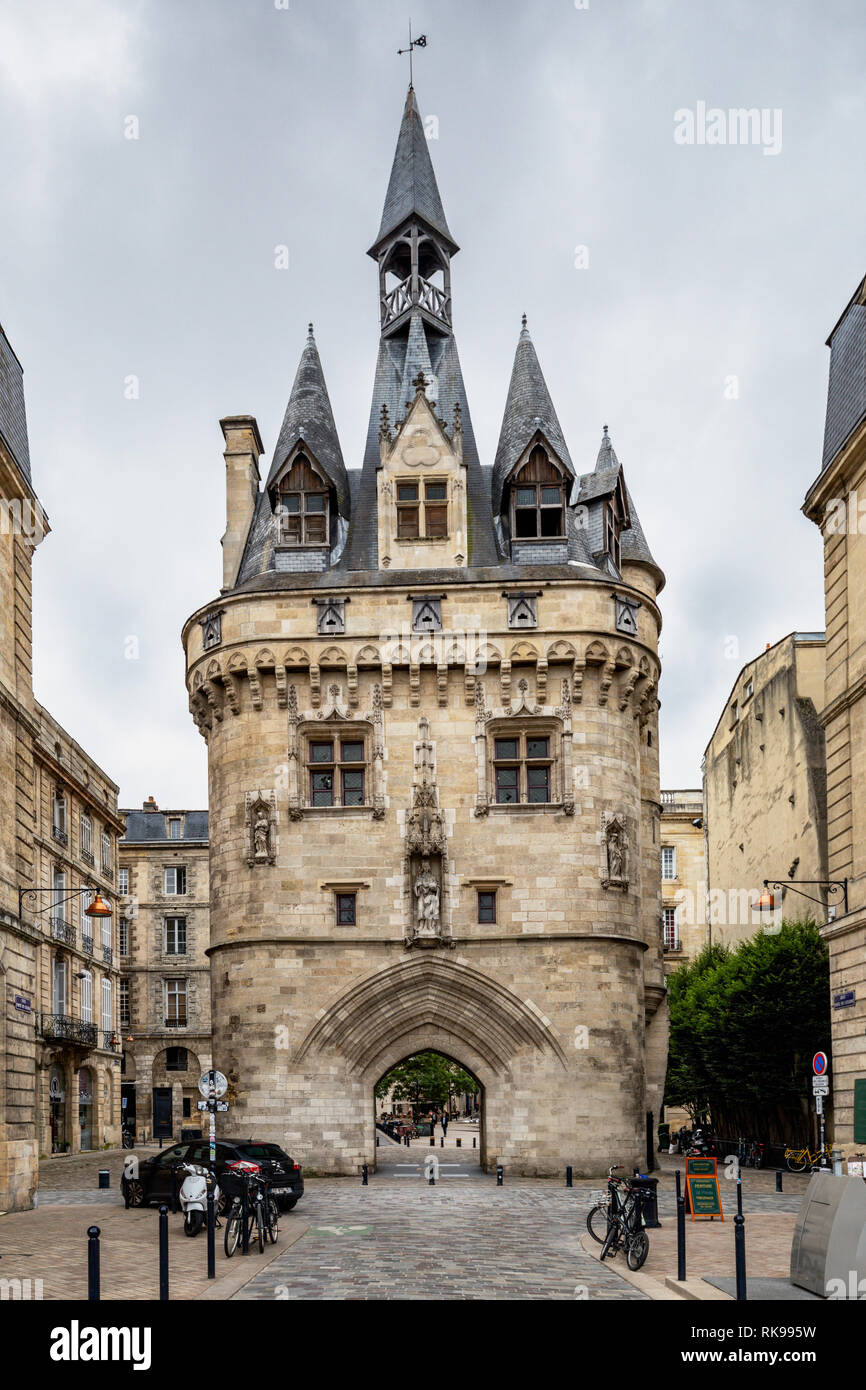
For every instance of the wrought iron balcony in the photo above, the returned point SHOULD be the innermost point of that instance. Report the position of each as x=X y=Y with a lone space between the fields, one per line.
x=62 y=931
x=87 y=857
x=176 y=1022
x=60 y=835
x=62 y=1028
x=87 y=945
x=107 y=954
x=111 y=1042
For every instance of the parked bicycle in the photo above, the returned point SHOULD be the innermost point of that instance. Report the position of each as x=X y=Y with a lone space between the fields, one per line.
x=616 y=1221
x=250 y=1200
x=127 y=1137
x=798 y=1160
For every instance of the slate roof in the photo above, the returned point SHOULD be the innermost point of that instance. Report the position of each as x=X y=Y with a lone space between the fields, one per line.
x=309 y=417
x=528 y=409
x=412 y=188
x=13 y=417
x=846 y=389
x=150 y=827
x=592 y=487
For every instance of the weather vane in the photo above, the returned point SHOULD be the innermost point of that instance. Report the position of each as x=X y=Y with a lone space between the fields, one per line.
x=420 y=42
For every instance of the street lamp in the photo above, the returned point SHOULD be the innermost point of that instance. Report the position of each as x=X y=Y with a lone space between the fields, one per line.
x=98 y=908
x=767 y=900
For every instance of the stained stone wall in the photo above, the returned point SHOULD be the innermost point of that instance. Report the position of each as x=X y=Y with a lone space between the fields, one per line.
x=550 y=1006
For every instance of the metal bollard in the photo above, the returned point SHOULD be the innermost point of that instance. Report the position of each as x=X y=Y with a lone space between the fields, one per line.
x=93 y=1264
x=459 y=1143
x=245 y=1226
x=499 y=1175
x=568 y=1181
x=211 y=1231
x=778 y=1180
x=681 y=1230
x=163 y=1253
x=377 y=1141
x=740 y=1245
x=432 y=1142
x=442 y=1143
x=407 y=1141
x=173 y=1191
x=364 y=1182
x=474 y=1141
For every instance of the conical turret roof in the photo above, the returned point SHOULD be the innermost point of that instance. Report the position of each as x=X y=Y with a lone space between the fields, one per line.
x=528 y=409
x=309 y=418
x=412 y=188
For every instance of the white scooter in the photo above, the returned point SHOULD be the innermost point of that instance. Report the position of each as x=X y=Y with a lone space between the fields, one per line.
x=193 y=1197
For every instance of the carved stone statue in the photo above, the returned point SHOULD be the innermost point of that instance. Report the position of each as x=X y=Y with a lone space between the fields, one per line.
x=615 y=850
x=426 y=901
x=261 y=827
x=261 y=833
x=614 y=853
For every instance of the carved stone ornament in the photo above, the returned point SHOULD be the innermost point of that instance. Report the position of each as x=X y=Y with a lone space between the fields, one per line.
x=615 y=851
x=260 y=820
x=426 y=852
x=211 y=629
x=335 y=711
x=626 y=615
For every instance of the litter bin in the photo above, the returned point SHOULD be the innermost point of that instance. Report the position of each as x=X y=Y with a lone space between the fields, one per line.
x=104 y=1177
x=649 y=1200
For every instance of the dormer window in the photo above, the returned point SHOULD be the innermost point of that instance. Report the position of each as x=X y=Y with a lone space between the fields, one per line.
x=422 y=511
x=538 y=500
x=612 y=523
x=303 y=506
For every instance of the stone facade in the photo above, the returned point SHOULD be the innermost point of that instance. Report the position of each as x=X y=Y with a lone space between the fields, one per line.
x=165 y=1023
x=421 y=753
x=37 y=760
x=835 y=503
x=684 y=876
x=765 y=789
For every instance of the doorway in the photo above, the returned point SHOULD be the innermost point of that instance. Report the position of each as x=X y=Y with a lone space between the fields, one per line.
x=414 y=1097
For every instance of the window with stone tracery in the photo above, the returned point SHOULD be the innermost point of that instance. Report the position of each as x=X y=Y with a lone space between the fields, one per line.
x=422 y=510
x=337 y=769
x=524 y=762
x=303 y=506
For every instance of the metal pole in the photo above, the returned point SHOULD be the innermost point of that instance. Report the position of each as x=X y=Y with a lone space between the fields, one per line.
x=778 y=1180
x=212 y=1127
x=93 y=1264
x=245 y=1233
x=364 y=1182
x=681 y=1230
x=211 y=1229
x=163 y=1253
x=459 y=1142
x=499 y=1175
x=740 y=1244
x=568 y=1176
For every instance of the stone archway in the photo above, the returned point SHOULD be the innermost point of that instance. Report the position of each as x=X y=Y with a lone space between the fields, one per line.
x=439 y=1004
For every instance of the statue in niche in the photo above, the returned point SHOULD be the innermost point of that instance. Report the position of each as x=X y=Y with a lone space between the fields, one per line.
x=261 y=827
x=261 y=833
x=426 y=901
x=615 y=852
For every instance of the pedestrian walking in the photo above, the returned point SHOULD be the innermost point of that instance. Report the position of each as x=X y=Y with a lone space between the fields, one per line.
x=444 y=1124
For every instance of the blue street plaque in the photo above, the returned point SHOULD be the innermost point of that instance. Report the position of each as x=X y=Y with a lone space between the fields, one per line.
x=844 y=999
x=22 y=1004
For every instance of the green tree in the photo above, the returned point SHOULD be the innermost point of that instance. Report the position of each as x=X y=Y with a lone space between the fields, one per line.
x=744 y=1025
x=426 y=1076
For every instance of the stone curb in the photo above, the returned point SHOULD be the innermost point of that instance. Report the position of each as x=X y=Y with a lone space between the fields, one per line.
x=229 y=1284
x=645 y=1283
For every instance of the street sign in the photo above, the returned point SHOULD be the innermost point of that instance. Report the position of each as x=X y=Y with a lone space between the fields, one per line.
x=820 y=1085
x=819 y=1104
x=219 y=1105
x=703 y=1197
x=819 y=1063
x=213 y=1079
x=844 y=999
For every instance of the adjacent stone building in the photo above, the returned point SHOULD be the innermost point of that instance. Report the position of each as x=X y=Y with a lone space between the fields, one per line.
x=836 y=502
x=429 y=689
x=58 y=828
x=165 y=982
x=683 y=875
x=765 y=790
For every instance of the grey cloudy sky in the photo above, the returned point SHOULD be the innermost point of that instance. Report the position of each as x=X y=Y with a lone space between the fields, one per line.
x=261 y=126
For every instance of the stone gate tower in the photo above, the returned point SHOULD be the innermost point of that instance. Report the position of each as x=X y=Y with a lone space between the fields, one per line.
x=429 y=693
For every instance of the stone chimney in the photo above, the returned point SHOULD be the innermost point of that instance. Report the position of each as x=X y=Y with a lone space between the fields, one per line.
x=149 y=805
x=242 y=452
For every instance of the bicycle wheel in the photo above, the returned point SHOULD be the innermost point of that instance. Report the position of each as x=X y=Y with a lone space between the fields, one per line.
x=273 y=1226
x=232 y=1236
x=796 y=1160
x=637 y=1250
x=598 y=1222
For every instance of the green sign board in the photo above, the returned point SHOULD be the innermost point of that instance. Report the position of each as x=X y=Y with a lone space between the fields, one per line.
x=706 y=1200
x=701 y=1166
x=860 y=1111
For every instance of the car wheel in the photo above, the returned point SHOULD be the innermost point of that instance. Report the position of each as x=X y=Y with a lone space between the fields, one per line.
x=136 y=1192
x=288 y=1203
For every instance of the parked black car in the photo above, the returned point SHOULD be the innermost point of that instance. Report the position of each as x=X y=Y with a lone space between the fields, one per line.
x=154 y=1184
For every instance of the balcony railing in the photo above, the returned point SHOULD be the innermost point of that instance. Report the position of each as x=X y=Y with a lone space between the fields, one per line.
x=107 y=955
x=176 y=1022
x=61 y=1028
x=87 y=945
x=60 y=835
x=62 y=931
x=87 y=857
x=111 y=1042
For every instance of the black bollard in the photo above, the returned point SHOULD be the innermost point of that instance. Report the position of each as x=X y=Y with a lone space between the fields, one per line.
x=432 y=1142
x=93 y=1264
x=778 y=1180
x=442 y=1143
x=459 y=1143
x=173 y=1191
x=681 y=1231
x=407 y=1141
x=474 y=1141
x=163 y=1253
x=740 y=1246
x=364 y=1182
x=125 y=1185
x=245 y=1227
x=499 y=1175
x=568 y=1177
x=211 y=1230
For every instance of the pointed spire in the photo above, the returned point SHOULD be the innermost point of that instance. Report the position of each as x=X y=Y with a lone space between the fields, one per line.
x=417 y=361
x=412 y=188
x=528 y=409
x=309 y=418
x=606 y=456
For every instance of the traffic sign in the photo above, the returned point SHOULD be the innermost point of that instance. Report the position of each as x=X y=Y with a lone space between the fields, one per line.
x=819 y=1103
x=213 y=1079
x=819 y=1063
x=219 y=1105
x=820 y=1085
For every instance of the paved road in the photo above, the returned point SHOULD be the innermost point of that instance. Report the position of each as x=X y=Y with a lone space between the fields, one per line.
x=464 y=1238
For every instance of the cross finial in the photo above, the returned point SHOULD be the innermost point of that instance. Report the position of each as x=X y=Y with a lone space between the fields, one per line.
x=420 y=42
x=523 y=321
x=309 y=330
